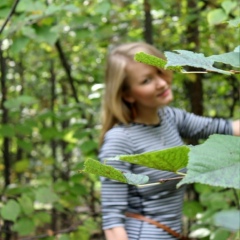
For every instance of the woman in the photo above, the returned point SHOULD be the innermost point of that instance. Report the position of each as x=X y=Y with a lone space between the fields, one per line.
x=137 y=119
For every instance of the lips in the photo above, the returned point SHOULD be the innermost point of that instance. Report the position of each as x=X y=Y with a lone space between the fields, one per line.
x=164 y=93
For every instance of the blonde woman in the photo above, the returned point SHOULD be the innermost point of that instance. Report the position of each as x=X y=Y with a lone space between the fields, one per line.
x=137 y=119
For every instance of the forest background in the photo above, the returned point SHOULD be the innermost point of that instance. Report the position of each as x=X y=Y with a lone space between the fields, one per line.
x=52 y=61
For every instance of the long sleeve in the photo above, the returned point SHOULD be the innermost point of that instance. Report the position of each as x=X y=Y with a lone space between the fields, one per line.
x=114 y=195
x=192 y=126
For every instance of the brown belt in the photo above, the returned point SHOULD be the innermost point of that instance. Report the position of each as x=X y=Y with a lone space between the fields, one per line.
x=157 y=224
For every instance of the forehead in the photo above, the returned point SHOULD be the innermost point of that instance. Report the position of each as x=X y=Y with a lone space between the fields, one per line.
x=135 y=70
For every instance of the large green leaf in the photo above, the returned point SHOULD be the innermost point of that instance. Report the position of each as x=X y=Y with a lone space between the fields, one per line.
x=215 y=162
x=188 y=58
x=232 y=58
x=95 y=167
x=171 y=159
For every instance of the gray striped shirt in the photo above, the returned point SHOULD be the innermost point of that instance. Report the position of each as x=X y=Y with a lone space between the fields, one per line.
x=161 y=202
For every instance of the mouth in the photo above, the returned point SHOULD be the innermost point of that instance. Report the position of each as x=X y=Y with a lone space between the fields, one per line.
x=164 y=93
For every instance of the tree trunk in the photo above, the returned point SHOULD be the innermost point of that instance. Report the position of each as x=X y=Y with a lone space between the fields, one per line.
x=148 y=33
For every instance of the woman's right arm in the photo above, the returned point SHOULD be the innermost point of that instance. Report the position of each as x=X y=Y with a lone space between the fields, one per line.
x=114 y=195
x=116 y=233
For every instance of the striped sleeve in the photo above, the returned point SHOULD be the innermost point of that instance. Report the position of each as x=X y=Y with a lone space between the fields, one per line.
x=198 y=127
x=114 y=205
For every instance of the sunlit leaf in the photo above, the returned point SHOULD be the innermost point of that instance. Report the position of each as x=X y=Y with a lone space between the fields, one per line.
x=95 y=167
x=228 y=6
x=216 y=16
x=215 y=162
x=188 y=58
x=171 y=159
x=21 y=166
x=154 y=61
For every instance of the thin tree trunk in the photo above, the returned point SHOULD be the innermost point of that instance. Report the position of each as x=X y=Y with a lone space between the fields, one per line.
x=148 y=32
x=6 y=140
x=195 y=88
x=53 y=142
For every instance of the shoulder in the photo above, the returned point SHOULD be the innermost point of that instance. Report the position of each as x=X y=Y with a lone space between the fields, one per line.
x=116 y=141
x=176 y=114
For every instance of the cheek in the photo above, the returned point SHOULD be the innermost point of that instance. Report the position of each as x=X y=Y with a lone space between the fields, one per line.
x=143 y=93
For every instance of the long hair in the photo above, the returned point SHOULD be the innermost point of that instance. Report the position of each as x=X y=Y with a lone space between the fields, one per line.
x=114 y=109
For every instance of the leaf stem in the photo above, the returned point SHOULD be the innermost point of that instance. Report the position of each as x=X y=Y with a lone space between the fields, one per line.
x=182 y=174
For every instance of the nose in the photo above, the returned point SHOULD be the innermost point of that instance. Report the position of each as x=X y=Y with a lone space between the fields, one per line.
x=160 y=82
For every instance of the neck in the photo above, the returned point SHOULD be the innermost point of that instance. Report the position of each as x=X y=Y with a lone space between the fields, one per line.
x=149 y=116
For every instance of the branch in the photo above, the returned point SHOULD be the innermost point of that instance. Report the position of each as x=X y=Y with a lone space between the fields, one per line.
x=9 y=15
x=67 y=69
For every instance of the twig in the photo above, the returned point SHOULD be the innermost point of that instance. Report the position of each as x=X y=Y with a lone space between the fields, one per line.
x=170 y=179
x=9 y=15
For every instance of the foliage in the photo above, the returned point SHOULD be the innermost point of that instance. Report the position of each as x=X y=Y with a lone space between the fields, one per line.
x=51 y=60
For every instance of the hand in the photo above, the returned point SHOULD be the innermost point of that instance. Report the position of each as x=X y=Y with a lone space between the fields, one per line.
x=116 y=233
x=236 y=127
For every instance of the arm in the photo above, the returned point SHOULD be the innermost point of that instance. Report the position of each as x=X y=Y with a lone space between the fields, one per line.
x=236 y=127
x=114 y=195
x=116 y=233
x=193 y=126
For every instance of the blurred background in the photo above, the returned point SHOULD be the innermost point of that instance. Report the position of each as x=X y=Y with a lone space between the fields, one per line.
x=52 y=62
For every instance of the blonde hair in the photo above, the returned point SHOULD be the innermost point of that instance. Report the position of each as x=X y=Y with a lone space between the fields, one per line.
x=114 y=109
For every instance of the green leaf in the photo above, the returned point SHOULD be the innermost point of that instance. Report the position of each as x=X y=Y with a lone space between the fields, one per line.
x=171 y=159
x=95 y=167
x=228 y=219
x=25 y=145
x=21 y=166
x=188 y=58
x=7 y=130
x=26 y=204
x=46 y=34
x=216 y=16
x=215 y=162
x=228 y=6
x=20 y=101
x=234 y=23
x=19 y=45
x=30 y=6
x=103 y=8
x=192 y=208
x=46 y=195
x=231 y=58
x=41 y=218
x=24 y=226
x=11 y=210
x=220 y=234
x=154 y=61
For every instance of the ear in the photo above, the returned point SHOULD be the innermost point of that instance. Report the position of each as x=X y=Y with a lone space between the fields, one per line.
x=126 y=95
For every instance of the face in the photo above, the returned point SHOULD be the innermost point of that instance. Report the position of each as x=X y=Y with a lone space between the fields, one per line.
x=148 y=87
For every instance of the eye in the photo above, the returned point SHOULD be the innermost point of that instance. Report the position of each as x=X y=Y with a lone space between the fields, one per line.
x=159 y=72
x=146 y=80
